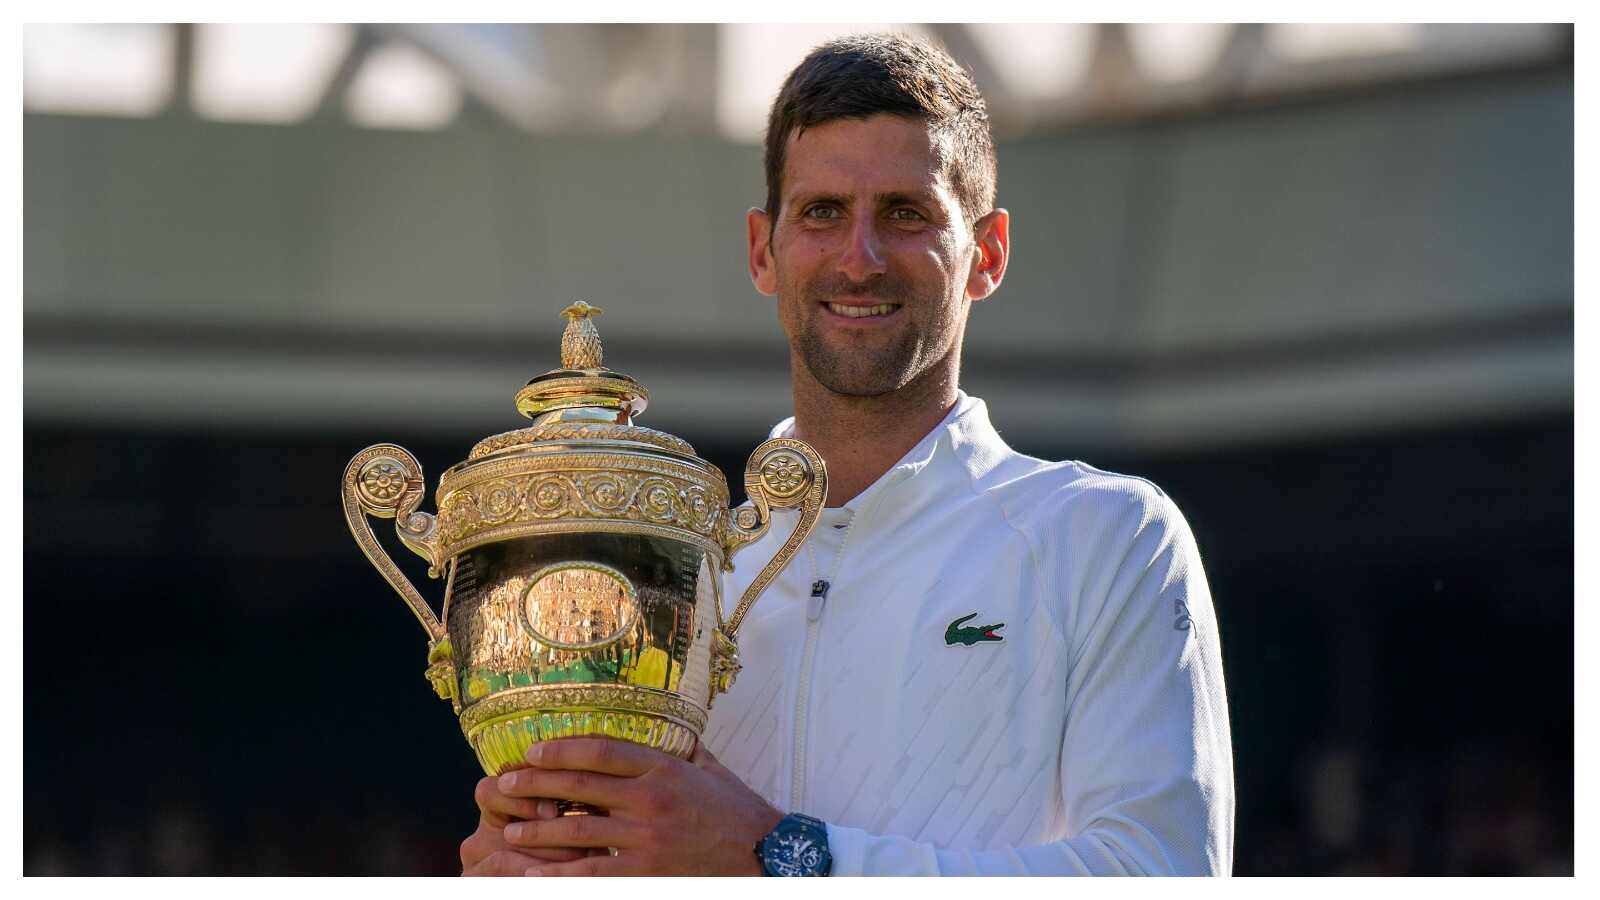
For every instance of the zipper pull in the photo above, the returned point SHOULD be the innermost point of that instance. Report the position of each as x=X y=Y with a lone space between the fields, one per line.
x=818 y=599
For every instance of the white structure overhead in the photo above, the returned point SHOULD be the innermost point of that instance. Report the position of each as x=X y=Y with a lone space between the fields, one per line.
x=98 y=70
x=265 y=73
x=1041 y=62
x=399 y=86
x=714 y=79
x=1342 y=40
x=1170 y=53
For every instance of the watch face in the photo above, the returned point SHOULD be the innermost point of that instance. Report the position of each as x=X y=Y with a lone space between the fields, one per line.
x=794 y=853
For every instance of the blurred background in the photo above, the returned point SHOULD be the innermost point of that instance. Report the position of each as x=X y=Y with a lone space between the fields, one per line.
x=1314 y=280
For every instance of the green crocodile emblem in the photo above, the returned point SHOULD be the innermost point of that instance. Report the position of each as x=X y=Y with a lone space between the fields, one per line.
x=956 y=633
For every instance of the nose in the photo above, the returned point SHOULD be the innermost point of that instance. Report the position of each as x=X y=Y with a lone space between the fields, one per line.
x=863 y=255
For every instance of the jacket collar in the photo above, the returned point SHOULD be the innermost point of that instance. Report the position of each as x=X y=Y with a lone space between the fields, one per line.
x=961 y=447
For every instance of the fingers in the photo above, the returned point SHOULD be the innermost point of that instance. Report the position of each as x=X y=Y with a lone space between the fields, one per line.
x=499 y=808
x=605 y=791
x=484 y=852
x=573 y=831
x=559 y=854
x=590 y=866
x=607 y=756
x=703 y=758
x=504 y=862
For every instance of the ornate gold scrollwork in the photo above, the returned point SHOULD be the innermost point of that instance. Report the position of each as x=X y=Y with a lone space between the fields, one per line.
x=782 y=473
x=725 y=664
x=585 y=432
x=576 y=491
x=554 y=697
x=386 y=481
x=441 y=672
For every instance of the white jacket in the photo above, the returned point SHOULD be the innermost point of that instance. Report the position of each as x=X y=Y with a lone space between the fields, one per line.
x=1092 y=738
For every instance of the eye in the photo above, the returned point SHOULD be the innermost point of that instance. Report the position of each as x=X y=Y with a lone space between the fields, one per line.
x=822 y=212
x=905 y=214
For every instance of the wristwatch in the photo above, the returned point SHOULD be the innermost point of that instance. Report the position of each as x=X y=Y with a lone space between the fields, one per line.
x=798 y=846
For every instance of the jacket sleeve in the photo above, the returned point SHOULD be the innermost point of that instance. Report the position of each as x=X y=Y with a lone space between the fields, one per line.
x=1146 y=766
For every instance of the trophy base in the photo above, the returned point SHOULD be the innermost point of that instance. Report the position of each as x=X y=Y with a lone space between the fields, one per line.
x=502 y=743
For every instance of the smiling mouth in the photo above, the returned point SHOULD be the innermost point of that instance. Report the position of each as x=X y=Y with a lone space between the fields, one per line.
x=862 y=312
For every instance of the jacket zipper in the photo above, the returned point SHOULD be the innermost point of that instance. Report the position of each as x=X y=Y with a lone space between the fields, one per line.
x=803 y=701
x=814 y=606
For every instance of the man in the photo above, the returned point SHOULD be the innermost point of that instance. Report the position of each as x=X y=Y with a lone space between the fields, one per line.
x=981 y=662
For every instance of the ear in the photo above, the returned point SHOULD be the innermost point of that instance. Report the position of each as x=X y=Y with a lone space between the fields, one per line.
x=992 y=239
x=758 y=233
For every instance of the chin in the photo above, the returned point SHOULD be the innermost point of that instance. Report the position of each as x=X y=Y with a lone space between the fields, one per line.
x=855 y=371
x=859 y=384
x=863 y=392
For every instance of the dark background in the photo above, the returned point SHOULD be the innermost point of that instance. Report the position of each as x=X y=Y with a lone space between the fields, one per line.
x=1396 y=612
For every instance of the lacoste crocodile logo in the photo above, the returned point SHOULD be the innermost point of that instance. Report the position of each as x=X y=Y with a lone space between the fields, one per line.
x=956 y=633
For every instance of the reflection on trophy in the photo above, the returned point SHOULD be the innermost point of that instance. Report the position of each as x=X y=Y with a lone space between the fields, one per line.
x=583 y=560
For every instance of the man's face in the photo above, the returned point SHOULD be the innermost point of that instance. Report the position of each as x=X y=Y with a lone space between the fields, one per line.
x=873 y=266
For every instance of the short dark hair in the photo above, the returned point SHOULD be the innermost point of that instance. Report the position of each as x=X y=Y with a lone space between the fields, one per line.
x=865 y=74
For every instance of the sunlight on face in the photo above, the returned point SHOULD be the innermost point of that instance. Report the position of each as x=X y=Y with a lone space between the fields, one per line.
x=871 y=253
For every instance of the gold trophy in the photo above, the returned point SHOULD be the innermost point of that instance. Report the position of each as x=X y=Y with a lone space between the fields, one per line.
x=583 y=561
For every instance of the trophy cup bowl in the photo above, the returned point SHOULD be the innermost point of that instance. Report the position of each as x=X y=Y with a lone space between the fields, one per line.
x=583 y=561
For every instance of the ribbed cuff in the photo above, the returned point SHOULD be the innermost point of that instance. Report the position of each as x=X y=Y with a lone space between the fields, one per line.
x=848 y=847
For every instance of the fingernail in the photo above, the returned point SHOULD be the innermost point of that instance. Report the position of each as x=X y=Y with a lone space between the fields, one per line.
x=508 y=781
x=515 y=830
x=533 y=872
x=547 y=809
x=534 y=753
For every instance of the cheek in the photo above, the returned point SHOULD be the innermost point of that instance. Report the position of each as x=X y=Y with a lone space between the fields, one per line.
x=796 y=257
x=953 y=250
x=937 y=263
x=811 y=251
x=936 y=248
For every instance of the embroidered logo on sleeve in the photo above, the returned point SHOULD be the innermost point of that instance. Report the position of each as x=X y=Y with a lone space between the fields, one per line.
x=1181 y=610
x=957 y=633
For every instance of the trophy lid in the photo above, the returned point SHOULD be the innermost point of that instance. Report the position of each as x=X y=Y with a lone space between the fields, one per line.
x=583 y=400
x=582 y=382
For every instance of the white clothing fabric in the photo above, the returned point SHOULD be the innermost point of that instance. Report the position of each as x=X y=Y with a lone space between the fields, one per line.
x=1092 y=739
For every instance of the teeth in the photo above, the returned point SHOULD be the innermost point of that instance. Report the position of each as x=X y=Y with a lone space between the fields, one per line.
x=861 y=312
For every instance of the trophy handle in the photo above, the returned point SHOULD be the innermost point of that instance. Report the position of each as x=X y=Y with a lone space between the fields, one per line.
x=386 y=481
x=782 y=473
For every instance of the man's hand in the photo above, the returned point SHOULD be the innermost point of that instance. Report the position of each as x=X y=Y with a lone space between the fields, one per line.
x=485 y=851
x=668 y=816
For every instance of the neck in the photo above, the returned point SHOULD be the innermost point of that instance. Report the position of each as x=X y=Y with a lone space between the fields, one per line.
x=860 y=438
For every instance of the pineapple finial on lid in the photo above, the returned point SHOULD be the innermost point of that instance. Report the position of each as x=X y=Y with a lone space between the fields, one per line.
x=582 y=389
x=580 y=343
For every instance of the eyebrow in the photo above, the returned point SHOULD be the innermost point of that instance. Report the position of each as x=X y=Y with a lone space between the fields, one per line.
x=886 y=198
